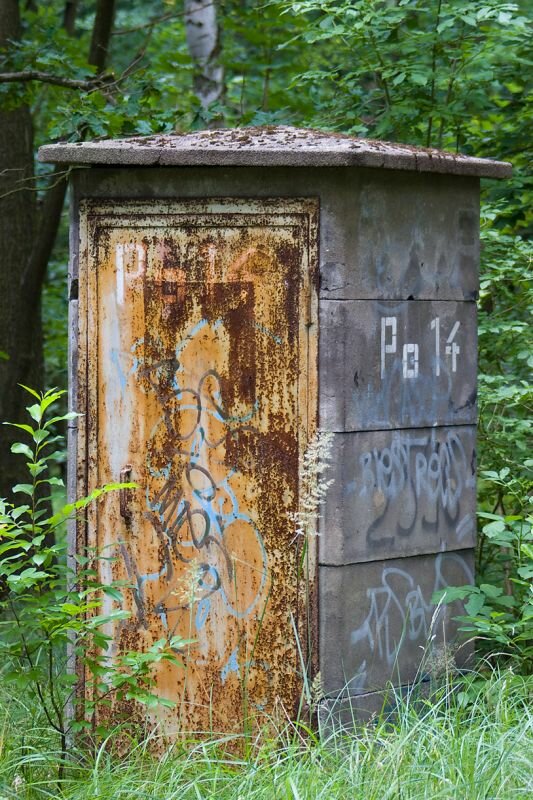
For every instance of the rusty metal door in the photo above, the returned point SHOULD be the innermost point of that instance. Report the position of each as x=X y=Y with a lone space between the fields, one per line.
x=198 y=374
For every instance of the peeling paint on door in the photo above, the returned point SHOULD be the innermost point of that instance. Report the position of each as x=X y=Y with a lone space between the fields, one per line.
x=198 y=342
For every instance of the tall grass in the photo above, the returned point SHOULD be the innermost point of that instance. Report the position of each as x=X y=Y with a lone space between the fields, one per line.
x=442 y=748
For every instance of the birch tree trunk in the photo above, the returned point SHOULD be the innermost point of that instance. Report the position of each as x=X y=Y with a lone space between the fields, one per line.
x=203 y=40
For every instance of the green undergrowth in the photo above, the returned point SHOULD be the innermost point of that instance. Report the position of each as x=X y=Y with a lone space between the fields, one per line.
x=471 y=744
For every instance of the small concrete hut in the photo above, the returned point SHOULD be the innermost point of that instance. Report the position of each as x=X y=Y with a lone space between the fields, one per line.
x=231 y=292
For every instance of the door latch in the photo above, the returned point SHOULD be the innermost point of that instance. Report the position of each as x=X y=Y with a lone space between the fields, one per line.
x=125 y=494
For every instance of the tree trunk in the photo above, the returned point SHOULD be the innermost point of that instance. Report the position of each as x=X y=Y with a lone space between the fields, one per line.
x=20 y=319
x=26 y=242
x=203 y=41
x=103 y=25
x=69 y=16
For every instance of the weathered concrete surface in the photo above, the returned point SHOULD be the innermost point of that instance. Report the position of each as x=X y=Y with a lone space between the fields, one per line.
x=377 y=620
x=416 y=243
x=269 y=146
x=397 y=365
x=399 y=493
x=405 y=237
x=339 y=714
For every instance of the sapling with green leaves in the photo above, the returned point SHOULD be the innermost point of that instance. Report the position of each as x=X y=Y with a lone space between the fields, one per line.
x=49 y=611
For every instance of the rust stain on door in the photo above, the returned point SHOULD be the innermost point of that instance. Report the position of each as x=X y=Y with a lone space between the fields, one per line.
x=198 y=340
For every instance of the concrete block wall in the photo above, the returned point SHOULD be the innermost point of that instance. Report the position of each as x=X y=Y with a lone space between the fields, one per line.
x=397 y=377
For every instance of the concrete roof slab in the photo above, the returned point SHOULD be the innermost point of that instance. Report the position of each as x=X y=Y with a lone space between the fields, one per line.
x=266 y=147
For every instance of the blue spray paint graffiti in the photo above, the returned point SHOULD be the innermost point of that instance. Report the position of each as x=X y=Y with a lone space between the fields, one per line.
x=195 y=513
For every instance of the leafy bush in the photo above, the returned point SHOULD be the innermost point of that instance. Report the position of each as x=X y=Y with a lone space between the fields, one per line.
x=499 y=612
x=411 y=70
x=505 y=362
x=500 y=609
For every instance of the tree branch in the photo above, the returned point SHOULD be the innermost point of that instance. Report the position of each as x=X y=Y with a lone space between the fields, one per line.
x=46 y=77
x=149 y=24
x=34 y=275
x=22 y=184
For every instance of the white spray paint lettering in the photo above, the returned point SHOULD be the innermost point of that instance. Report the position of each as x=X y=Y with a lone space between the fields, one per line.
x=410 y=350
x=130 y=264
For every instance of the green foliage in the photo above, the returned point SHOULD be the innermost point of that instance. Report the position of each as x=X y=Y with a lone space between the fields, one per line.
x=448 y=73
x=499 y=612
x=412 y=70
x=51 y=613
x=505 y=362
x=129 y=99
x=500 y=609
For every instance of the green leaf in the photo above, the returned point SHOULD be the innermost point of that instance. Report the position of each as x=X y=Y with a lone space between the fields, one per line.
x=54 y=481
x=493 y=529
x=22 y=449
x=21 y=426
x=35 y=412
x=70 y=508
x=113 y=616
x=70 y=608
x=491 y=591
x=37 y=468
x=165 y=702
x=50 y=398
x=62 y=418
x=527 y=550
x=474 y=604
x=507 y=600
x=31 y=391
x=28 y=578
x=111 y=591
x=23 y=488
x=16 y=545
x=526 y=572
x=19 y=511
x=452 y=593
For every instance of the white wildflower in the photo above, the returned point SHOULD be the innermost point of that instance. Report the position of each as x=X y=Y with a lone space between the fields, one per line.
x=313 y=486
x=188 y=586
